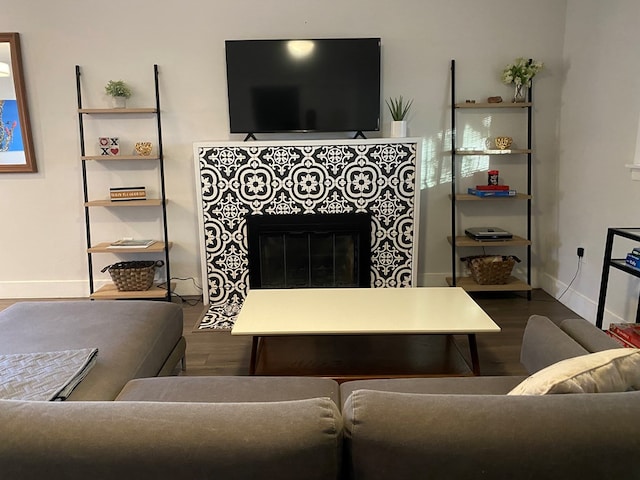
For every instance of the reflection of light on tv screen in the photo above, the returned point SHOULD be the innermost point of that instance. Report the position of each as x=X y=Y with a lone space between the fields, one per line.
x=11 y=137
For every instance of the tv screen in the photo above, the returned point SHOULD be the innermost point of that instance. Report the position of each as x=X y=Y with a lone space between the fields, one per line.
x=325 y=85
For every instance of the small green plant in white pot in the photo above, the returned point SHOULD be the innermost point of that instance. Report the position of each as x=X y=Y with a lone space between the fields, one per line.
x=399 y=110
x=119 y=91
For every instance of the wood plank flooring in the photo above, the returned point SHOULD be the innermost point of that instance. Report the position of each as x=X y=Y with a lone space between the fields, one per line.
x=213 y=352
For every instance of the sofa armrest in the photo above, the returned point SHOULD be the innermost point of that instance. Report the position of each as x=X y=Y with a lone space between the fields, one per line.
x=169 y=441
x=544 y=344
x=588 y=335
x=403 y=436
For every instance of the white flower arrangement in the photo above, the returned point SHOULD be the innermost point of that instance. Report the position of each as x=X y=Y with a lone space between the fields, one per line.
x=521 y=71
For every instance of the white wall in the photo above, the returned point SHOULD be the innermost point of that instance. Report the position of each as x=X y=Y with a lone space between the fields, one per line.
x=42 y=250
x=597 y=131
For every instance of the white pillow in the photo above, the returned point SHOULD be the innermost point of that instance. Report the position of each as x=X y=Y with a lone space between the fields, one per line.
x=616 y=370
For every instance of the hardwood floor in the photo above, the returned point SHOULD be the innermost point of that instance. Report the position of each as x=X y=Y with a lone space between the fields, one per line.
x=213 y=352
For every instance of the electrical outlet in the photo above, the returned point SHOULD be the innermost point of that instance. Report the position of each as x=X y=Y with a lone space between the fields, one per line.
x=580 y=252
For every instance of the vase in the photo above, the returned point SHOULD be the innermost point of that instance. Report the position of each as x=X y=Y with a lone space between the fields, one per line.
x=520 y=93
x=119 y=102
x=398 y=129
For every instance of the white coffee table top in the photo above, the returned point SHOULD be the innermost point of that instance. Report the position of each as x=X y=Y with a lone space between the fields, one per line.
x=343 y=311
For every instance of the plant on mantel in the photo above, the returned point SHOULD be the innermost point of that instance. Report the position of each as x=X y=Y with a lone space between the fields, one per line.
x=398 y=108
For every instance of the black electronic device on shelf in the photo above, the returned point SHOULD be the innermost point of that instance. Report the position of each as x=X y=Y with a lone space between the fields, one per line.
x=488 y=234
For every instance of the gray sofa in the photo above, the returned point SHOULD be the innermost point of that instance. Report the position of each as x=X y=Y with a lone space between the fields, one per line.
x=468 y=428
x=281 y=428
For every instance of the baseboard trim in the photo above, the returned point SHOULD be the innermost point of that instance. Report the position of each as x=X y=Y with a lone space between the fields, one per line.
x=44 y=289
x=433 y=279
x=68 y=289
x=579 y=303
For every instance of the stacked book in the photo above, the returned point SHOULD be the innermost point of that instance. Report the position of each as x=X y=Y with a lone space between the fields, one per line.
x=633 y=258
x=492 y=191
x=627 y=334
x=120 y=194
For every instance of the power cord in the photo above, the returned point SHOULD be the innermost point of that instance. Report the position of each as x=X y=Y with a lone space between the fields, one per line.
x=191 y=303
x=573 y=279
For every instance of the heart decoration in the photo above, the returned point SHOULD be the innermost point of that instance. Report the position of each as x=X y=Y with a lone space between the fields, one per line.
x=114 y=150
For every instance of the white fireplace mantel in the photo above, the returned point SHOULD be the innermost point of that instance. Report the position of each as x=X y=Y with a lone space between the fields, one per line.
x=237 y=179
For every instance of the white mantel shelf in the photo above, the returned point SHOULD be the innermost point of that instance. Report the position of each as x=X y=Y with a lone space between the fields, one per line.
x=310 y=141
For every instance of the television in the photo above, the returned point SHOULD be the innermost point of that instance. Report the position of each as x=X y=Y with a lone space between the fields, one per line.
x=316 y=85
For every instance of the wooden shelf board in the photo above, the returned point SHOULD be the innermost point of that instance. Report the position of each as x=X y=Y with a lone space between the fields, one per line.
x=494 y=105
x=103 y=247
x=510 y=151
x=119 y=111
x=150 y=202
x=110 y=292
x=470 y=285
x=464 y=241
x=119 y=157
x=463 y=197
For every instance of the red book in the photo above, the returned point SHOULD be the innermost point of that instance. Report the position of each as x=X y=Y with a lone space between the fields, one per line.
x=621 y=341
x=629 y=332
x=492 y=187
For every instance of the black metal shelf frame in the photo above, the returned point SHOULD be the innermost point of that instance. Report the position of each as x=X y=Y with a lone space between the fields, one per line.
x=529 y=155
x=630 y=233
x=163 y=198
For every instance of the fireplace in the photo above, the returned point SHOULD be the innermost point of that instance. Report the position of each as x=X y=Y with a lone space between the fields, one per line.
x=305 y=178
x=309 y=251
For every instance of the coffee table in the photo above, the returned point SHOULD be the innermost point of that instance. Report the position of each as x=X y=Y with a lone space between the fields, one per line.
x=366 y=312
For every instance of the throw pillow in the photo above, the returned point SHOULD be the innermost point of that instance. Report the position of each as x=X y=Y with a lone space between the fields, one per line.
x=616 y=370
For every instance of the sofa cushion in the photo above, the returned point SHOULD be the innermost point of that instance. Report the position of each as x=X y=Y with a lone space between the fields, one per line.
x=490 y=385
x=225 y=389
x=615 y=370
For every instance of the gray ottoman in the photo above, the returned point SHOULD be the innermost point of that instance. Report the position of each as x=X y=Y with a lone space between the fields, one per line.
x=135 y=338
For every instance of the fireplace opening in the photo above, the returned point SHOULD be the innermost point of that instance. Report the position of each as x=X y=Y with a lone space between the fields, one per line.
x=309 y=251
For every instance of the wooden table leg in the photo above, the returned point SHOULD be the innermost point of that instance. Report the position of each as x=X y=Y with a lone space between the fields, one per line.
x=254 y=355
x=475 y=360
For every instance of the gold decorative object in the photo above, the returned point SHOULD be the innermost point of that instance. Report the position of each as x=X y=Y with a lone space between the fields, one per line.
x=143 y=148
x=503 y=143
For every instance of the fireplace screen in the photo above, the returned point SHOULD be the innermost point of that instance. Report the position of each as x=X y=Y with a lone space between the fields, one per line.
x=309 y=251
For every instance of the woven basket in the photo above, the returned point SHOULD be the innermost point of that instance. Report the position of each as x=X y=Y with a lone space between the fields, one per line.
x=491 y=269
x=133 y=276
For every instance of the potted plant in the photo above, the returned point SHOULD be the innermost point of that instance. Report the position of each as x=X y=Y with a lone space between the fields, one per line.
x=520 y=73
x=399 y=110
x=119 y=91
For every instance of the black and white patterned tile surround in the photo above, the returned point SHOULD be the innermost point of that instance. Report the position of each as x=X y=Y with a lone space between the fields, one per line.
x=296 y=177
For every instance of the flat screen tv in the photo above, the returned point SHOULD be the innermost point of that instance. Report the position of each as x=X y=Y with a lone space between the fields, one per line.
x=321 y=85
